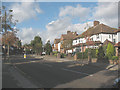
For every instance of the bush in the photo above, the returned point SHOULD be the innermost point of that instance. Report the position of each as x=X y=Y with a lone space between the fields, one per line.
x=100 y=54
x=55 y=53
x=115 y=58
x=110 y=52
x=81 y=55
x=93 y=53
x=62 y=55
x=106 y=58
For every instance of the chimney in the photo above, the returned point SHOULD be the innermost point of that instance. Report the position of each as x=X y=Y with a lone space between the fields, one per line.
x=96 y=23
x=68 y=32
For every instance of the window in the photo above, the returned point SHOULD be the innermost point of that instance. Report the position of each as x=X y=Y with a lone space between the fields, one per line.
x=98 y=36
x=109 y=36
x=91 y=39
x=114 y=40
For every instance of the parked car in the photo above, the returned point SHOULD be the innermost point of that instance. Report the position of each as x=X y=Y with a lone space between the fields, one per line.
x=117 y=83
x=43 y=53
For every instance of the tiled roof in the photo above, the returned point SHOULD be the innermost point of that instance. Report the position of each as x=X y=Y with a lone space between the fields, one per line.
x=70 y=35
x=101 y=28
x=117 y=44
x=118 y=30
x=56 y=41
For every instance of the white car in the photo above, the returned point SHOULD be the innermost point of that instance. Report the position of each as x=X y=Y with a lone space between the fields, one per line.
x=43 y=53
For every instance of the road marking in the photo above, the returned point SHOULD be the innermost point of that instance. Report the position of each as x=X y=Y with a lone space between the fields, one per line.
x=77 y=72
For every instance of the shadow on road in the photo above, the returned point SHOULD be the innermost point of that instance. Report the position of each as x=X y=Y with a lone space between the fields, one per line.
x=51 y=74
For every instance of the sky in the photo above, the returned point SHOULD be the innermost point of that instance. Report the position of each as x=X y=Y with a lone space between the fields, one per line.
x=51 y=19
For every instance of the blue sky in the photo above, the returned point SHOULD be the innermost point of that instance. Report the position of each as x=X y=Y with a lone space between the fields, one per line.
x=51 y=19
x=50 y=14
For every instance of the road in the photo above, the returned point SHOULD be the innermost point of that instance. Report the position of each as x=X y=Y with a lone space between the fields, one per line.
x=42 y=73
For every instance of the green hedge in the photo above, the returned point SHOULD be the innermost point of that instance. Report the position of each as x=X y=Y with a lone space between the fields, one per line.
x=115 y=58
x=84 y=55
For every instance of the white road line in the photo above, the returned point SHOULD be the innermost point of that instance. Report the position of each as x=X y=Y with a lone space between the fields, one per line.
x=76 y=72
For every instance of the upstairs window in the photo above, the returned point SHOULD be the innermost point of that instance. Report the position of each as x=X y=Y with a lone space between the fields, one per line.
x=109 y=36
x=98 y=36
x=114 y=40
x=76 y=41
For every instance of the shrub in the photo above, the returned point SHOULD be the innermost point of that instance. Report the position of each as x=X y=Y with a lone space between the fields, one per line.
x=62 y=55
x=100 y=55
x=81 y=55
x=110 y=52
x=115 y=58
x=93 y=53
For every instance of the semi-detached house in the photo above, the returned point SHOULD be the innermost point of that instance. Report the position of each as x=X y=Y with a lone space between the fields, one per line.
x=94 y=37
x=60 y=44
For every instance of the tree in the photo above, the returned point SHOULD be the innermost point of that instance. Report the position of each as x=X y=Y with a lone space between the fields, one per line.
x=19 y=44
x=36 y=45
x=110 y=51
x=48 y=48
x=100 y=55
x=9 y=39
x=8 y=24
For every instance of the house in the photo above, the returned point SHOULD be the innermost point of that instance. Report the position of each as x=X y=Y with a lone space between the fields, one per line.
x=55 y=45
x=65 y=41
x=94 y=37
x=117 y=45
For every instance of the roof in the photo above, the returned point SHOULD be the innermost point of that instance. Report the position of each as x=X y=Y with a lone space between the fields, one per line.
x=70 y=35
x=101 y=28
x=56 y=41
x=93 y=42
x=118 y=30
x=79 y=36
x=117 y=44
x=107 y=41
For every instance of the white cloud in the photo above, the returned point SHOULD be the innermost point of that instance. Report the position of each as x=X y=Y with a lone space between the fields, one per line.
x=107 y=13
x=80 y=27
x=25 y=10
x=61 y=26
x=56 y=28
x=26 y=34
x=78 y=11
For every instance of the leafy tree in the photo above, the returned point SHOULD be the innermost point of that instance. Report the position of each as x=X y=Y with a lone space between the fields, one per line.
x=110 y=52
x=36 y=45
x=19 y=44
x=48 y=48
x=7 y=24
x=100 y=55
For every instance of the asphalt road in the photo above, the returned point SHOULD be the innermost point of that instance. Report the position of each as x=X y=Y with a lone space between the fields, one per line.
x=39 y=73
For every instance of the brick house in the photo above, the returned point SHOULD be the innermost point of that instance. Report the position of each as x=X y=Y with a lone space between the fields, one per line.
x=59 y=44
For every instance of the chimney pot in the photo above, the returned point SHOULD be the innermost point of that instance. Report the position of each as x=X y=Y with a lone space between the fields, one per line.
x=68 y=32
x=96 y=23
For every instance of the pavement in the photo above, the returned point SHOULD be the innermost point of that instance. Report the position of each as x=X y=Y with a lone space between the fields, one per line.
x=47 y=72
